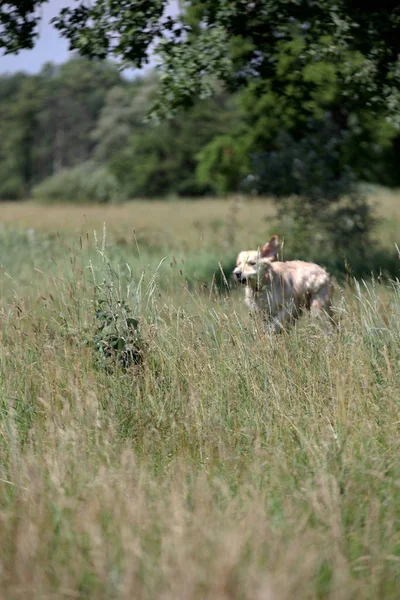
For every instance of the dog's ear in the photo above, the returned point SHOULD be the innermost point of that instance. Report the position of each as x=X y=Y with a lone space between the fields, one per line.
x=270 y=249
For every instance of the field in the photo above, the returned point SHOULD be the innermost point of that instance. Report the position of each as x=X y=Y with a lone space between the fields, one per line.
x=227 y=462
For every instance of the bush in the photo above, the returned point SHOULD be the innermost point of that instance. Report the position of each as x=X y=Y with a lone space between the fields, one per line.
x=85 y=184
x=117 y=338
x=11 y=188
x=222 y=164
x=316 y=190
x=159 y=162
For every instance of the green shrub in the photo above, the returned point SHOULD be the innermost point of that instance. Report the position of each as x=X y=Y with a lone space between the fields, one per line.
x=222 y=164
x=11 y=187
x=84 y=184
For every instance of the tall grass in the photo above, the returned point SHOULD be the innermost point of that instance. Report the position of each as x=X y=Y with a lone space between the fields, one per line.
x=207 y=232
x=233 y=464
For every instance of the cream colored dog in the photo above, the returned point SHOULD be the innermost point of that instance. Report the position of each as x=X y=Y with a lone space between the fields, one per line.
x=282 y=290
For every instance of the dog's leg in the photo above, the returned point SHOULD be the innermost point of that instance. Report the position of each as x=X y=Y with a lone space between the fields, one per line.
x=322 y=303
x=329 y=312
x=283 y=319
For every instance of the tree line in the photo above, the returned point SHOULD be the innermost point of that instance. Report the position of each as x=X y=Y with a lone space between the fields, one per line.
x=84 y=117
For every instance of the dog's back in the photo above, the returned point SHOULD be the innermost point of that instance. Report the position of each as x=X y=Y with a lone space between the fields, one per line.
x=295 y=284
x=300 y=277
x=308 y=284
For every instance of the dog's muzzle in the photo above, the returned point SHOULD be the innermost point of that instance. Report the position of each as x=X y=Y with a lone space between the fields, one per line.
x=240 y=277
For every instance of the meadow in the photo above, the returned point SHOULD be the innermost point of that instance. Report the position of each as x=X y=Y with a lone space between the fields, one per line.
x=225 y=463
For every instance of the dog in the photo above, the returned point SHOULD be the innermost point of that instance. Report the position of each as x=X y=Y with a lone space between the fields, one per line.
x=283 y=290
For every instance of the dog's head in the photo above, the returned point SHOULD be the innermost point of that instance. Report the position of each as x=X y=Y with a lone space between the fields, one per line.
x=252 y=265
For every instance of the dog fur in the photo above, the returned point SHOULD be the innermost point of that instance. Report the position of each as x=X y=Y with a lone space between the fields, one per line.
x=283 y=290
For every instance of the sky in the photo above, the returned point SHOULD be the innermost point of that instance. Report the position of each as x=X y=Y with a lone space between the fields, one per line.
x=49 y=46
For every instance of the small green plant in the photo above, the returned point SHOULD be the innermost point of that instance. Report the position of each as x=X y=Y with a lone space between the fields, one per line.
x=117 y=338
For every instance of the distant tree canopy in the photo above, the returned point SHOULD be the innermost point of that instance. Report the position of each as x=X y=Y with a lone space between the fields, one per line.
x=236 y=41
x=46 y=121
x=82 y=116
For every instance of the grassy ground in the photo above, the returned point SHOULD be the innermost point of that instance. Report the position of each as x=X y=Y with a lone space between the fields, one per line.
x=230 y=464
x=191 y=224
x=174 y=225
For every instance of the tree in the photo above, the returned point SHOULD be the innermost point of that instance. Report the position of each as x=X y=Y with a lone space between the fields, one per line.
x=223 y=163
x=18 y=24
x=235 y=40
x=46 y=121
x=123 y=112
x=18 y=128
x=160 y=160
x=74 y=95
x=317 y=75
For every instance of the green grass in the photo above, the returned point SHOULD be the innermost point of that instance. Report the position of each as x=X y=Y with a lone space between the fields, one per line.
x=231 y=464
